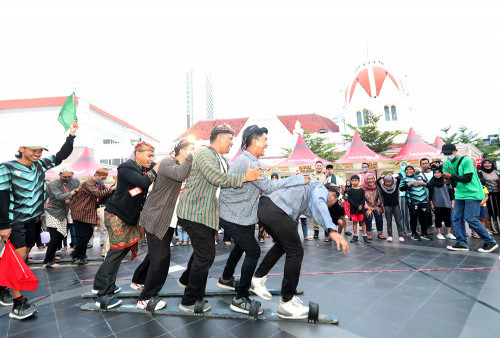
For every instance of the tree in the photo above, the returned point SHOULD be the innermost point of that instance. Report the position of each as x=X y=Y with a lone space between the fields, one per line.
x=376 y=140
x=466 y=136
x=318 y=146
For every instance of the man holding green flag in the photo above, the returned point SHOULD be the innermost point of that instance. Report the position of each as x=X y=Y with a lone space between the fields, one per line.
x=68 y=112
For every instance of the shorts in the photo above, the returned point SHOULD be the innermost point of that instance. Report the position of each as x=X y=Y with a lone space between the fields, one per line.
x=357 y=217
x=483 y=213
x=24 y=234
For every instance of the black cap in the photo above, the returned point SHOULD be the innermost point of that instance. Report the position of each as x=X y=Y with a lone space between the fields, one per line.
x=222 y=129
x=275 y=175
x=329 y=166
x=448 y=148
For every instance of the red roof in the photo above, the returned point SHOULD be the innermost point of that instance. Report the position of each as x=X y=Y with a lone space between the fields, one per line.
x=301 y=155
x=438 y=143
x=312 y=123
x=202 y=129
x=359 y=152
x=58 y=102
x=379 y=76
x=415 y=149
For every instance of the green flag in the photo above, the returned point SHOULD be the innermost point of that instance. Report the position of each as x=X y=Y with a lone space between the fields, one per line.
x=68 y=112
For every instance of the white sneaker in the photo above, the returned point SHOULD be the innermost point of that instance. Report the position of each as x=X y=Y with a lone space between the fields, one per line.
x=258 y=286
x=143 y=304
x=293 y=309
x=180 y=284
x=450 y=236
x=401 y=239
x=138 y=287
x=389 y=239
x=440 y=236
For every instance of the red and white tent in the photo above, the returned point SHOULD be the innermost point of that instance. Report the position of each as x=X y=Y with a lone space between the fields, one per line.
x=301 y=155
x=415 y=149
x=438 y=143
x=85 y=165
x=359 y=152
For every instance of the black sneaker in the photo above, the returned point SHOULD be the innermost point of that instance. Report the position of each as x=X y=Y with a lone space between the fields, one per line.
x=348 y=233
x=367 y=239
x=488 y=247
x=416 y=237
x=22 y=310
x=5 y=296
x=316 y=234
x=242 y=305
x=426 y=237
x=80 y=261
x=354 y=239
x=457 y=247
x=229 y=284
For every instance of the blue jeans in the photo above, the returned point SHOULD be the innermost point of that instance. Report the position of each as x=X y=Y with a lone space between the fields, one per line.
x=71 y=232
x=469 y=210
x=183 y=235
x=303 y=221
x=379 y=222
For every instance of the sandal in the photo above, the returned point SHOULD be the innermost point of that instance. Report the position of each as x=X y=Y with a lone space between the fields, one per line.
x=380 y=236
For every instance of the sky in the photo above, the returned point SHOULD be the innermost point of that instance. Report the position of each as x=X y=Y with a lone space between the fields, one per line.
x=272 y=57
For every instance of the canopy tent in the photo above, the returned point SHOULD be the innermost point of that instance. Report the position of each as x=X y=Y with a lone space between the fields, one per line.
x=438 y=143
x=85 y=165
x=52 y=174
x=359 y=152
x=301 y=155
x=415 y=149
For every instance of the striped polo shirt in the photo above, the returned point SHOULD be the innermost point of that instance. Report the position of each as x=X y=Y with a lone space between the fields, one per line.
x=416 y=194
x=198 y=201
x=22 y=190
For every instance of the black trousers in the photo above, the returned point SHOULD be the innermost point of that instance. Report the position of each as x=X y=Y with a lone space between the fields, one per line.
x=84 y=232
x=245 y=242
x=196 y=274
x=55 y=242
x=281 y=228
x=419 y=212
x=442 y=215
x=105 y=278
x=153 y=270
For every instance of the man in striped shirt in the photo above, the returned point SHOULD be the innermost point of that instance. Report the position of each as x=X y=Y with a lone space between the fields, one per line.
x=22 y=196
x=198 y=210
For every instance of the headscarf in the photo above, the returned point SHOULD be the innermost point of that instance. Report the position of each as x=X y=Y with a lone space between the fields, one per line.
x=493 y=167
x=372 y=195
x=409 y=166
x=437 y=182
x=369 y=187
x=403 y=168
x=392 y=188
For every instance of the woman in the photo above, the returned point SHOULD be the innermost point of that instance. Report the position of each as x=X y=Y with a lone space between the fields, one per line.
x=489 y=176
x=389 y=193
x=373 y=205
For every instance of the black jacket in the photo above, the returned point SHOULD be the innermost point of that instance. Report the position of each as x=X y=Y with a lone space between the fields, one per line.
x=130 y=176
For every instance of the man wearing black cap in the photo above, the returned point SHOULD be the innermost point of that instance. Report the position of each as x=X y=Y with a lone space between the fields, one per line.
x=198 y=210
x=238 y=216
x=468 y=196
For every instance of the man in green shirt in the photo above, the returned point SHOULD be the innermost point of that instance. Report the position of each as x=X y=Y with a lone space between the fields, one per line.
x=468 y=196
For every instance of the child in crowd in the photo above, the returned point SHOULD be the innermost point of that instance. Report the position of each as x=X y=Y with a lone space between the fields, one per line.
x=483 y=213
x=373 y=206
x=183 y=236
x=442 y=200
x=356 y=199
x=418 y=202
x=389 y=192
x=337 y=213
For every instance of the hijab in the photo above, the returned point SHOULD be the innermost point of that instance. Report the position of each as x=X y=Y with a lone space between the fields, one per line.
x=493 y=167
x=437 y=182
x=392 y=188
x=369 y=187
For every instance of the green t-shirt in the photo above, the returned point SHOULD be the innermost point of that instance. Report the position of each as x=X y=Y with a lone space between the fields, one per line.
x=465 y=191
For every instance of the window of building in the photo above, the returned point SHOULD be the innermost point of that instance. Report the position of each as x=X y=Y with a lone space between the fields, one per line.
x=387 y=114
x=394 y=113
x=116 y=161
x=110 y=141
x=365 y=118
x=359 y=118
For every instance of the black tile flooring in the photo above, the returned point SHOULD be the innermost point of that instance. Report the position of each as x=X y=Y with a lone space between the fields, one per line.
x=413 y=289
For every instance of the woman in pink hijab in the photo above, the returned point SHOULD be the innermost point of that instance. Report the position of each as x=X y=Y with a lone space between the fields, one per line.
x=373 y=205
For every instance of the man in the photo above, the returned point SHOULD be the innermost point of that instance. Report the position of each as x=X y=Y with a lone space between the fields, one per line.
x=121 y=217
x=22 y=197
x=365 y=167
x=320 y=176
x=198 y=210
x=84 y=212
x=238 y=216
x=468 y=196
x=277 y=212
x=426 y=174
x=61 y=192
x=156 y=216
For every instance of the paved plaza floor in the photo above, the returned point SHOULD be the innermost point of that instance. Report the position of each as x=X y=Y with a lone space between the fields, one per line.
x=412 y=289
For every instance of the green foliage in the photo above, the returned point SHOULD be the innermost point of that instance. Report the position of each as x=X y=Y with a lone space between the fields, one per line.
x=318 y=145
x=376 y=140
x=466 y=136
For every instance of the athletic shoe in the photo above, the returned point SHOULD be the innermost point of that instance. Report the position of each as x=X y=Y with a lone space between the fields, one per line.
x=226 y=283
x=22 y=310
x=457 y=247
x=180 y=284
x=143 y=304
x=348 y=233
x=5 y=296
x=401 y=239
x=293 y=309
x=354 y=239
x=114 y=302
x=450 y=236
x=138 y=287
x=242 y=305
x=190 y=308
x=415 y=237
x=440 y=236
x=389 y=239
x=116 y=290
x=426 y=237
x=367 y=240
x=258 y=286
x=80 y=261
x=488 y=247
